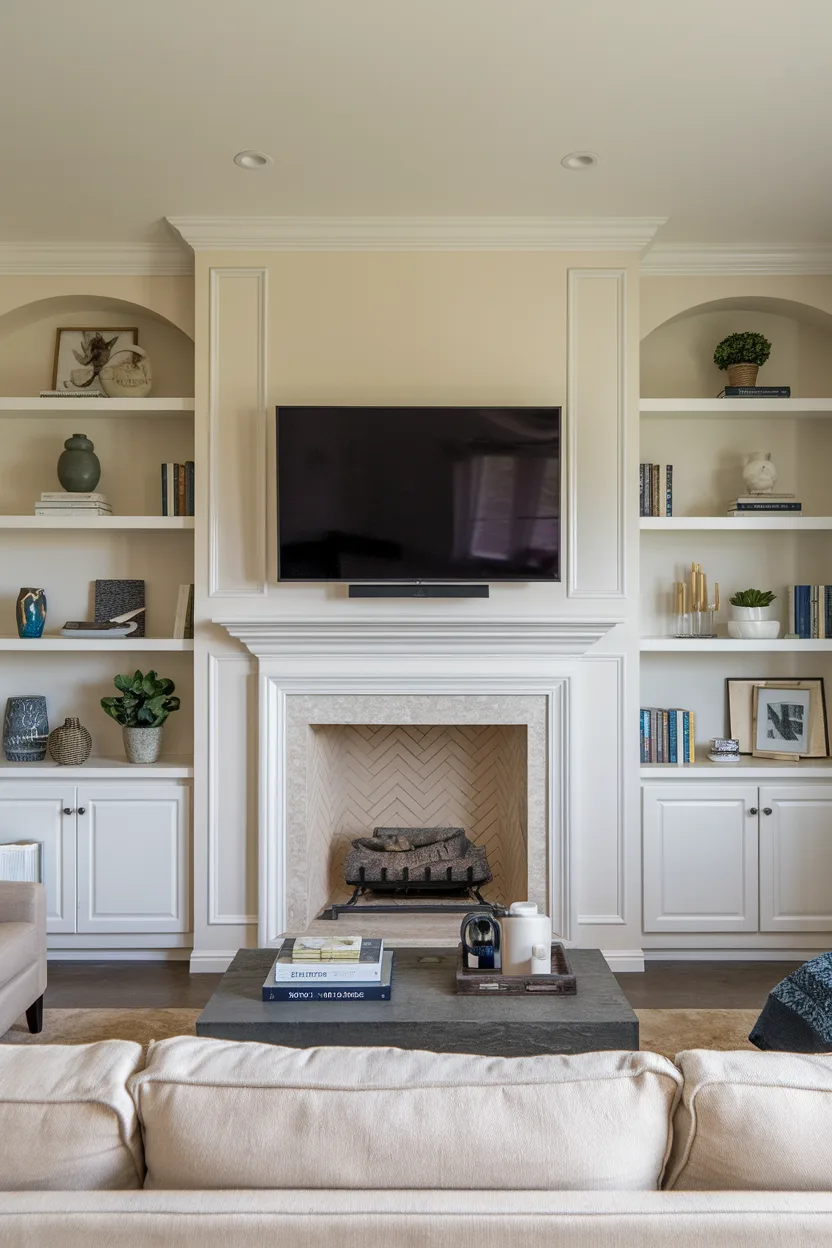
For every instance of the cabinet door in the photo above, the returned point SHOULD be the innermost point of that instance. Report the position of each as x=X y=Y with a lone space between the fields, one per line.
x=796 y=858
x=35 y=812
x=700 y=858
x=133 y=858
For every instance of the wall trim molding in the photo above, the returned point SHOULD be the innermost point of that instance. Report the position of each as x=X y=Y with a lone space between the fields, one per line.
x=624 y=961
x=619 y=917
x=95 y=260
x=716 y=260
x=215 y=915
x=417 y=233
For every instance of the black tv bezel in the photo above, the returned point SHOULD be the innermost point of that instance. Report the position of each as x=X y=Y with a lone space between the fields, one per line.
x=556 y=408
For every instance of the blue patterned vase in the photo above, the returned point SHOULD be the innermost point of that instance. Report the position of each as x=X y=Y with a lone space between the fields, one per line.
x=31 y=612
x=25 y=729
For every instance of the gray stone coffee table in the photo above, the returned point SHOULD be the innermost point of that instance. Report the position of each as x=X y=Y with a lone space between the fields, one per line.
x=425 y=1011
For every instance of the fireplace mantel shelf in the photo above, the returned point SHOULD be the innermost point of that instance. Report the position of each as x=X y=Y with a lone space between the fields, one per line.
x=267 y=637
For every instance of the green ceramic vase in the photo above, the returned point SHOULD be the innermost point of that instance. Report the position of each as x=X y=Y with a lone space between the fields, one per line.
x=79 y=470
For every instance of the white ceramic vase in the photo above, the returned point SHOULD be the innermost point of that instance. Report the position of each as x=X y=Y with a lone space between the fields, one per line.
x=753 y=624
x=142 y=745
x=759 y=473
x=130 y=378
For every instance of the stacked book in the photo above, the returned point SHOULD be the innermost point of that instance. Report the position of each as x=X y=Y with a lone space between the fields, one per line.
x=655 y=492
x=183 y=623
x=755 y=392
x=667 y=736
x=810 y=611
x=63 y=503
x=178 y=489
x=765 y=505
x=330 y=968
x=21 y=861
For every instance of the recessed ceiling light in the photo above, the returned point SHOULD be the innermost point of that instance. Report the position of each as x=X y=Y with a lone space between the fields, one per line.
x=580 y=160
x=252 y=160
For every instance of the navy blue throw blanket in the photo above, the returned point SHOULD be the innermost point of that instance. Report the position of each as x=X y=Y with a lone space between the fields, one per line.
x=797 y=1017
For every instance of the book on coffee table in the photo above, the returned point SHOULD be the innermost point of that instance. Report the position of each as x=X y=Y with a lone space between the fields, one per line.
x=333 y=989
x=314 y=961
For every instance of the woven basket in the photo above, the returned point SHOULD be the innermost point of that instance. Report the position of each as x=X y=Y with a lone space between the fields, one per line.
x=71 y=744
x=742 y=374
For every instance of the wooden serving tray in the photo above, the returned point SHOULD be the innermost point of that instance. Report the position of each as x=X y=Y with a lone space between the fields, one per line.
x=561 y=981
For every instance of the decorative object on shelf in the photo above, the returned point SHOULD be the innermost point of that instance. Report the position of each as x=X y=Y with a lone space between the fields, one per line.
x=693 y=613
x=80 y=355
x=751 y=615
x=183 y=623
x=142 y=709
x=79 y=469
x=759 y=473
x=116 y=601
x=178 y=489
x=55 y=503
x=106 y=630
x=765 y=505
x=755 y=392
x=71 y=744
x=30 y=612
x=724 y=750
x=131 y=378
x=655 y=490
x=558 y=980
x=741 y=725
x=25 y=729
x=742 y=355
x=788 y=720
x=667 y=736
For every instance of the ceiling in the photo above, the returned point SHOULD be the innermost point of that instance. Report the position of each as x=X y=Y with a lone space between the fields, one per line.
x=714 y=114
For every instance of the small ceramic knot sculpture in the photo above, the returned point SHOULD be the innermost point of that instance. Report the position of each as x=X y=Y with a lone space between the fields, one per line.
x=759 y=473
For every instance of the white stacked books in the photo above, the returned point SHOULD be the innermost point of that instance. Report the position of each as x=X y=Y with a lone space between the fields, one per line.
x=329 y=959
x=20 y=861
x=765 y=505
x=65 y=503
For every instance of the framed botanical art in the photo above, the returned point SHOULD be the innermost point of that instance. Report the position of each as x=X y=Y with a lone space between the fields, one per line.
x=80 y=355
x=789 y=720
x=741 y=724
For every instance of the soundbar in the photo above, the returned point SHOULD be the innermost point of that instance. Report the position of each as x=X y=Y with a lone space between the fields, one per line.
x=419 y=591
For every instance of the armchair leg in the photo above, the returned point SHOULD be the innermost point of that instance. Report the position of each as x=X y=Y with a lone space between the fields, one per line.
x=34 y=1016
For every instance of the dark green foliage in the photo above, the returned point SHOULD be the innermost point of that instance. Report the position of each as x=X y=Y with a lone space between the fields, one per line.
x=145 y=700
x=747 y=348
x=753 y=598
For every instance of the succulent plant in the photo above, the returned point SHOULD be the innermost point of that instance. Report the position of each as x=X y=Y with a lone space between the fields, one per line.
x=145 y=700
x=748 y=348
x=753 y=598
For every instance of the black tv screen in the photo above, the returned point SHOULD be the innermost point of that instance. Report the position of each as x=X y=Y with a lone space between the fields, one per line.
x=418 y=493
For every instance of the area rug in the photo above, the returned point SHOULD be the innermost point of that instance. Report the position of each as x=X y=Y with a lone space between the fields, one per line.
x=662 y=1031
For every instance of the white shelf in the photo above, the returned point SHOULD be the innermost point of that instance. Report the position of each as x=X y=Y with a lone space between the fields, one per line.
x=681 y=645
x=736 y=407
x=678 y=524
x=11 y=406
x=104 y=524
x=139 y=645
x=748 y=768
x=99 y=769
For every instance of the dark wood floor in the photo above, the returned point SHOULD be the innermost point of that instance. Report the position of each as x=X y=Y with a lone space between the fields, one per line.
x=149 y=985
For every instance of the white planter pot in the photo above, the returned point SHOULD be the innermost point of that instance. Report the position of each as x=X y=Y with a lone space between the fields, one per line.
x=142 y=745
x=753 y=624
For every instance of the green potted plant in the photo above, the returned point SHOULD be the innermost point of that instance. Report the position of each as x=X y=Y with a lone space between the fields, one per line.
x=751 y=615
x=142 y=709
x=742 y=355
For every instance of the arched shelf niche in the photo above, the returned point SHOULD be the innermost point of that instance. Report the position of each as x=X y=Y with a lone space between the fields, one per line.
x=677 y=355
x=28 y=334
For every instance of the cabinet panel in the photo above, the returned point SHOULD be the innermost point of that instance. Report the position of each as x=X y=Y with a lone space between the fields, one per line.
x=796 y=858
x=700 y=858
x=133 y=858
x=34 y=812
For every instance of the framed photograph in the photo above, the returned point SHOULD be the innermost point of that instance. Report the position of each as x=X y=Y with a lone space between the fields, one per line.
x=80 y=355
x=789 y=719
x=740 y=699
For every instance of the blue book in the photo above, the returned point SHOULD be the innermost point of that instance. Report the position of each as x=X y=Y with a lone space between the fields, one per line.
x=669 y=490
x=335 y=990
x=803 y=611
x=673 y=744
x=164 y=489
x=686 y=734
x=645 y=736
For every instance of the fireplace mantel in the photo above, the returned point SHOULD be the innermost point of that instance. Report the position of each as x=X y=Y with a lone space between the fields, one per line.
x=269 y=637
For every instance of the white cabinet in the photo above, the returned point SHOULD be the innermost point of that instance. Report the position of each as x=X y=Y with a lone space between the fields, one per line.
x=133 y=858
x=45 y=812
x=700 y=857
x=116 y=855
x=796 y=858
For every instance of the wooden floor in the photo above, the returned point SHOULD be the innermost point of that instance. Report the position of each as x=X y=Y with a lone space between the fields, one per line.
x=157 y=985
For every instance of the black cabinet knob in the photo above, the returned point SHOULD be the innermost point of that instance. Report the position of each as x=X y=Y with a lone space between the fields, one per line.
x=766 y=810
x=753 y=811
x=82 y=810
x=67 y=810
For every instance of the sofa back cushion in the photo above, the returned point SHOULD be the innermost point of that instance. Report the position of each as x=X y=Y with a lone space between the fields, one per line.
x=753 y=1121
x=67 y=1120
x=218 y=1114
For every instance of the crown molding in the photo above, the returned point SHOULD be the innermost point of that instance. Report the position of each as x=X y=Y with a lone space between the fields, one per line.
x=715 y=260
x=417 y=233
x=94 y=260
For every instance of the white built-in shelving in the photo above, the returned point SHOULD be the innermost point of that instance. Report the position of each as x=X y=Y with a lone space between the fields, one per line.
x=748 y=768
x=101 y=524
x=75 y=645
x=783 y=408
x=18 y=406
x=175 y=768
x=714 y=645
x=735 y=524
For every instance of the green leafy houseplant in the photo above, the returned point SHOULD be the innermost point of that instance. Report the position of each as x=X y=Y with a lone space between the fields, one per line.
x=748 y=348
x=145 y=701
x=753 y=598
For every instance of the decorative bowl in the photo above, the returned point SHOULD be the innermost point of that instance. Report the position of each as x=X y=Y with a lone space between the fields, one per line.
x=754 y=630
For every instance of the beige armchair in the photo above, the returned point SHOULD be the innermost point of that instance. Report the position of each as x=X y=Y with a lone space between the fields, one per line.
x=22 y=954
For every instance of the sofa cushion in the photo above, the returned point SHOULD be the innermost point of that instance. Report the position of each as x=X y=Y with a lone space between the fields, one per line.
x=18 y=949
x=218 y=1114
x=66 y=1117
x=753 y=1121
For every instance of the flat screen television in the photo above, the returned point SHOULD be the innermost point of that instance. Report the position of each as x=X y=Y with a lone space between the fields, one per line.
x=418 y=493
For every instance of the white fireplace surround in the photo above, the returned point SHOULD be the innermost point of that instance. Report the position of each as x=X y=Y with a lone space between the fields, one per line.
x=409 y=671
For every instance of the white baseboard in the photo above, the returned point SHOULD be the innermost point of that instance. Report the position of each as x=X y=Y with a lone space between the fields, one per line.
x=623 y=961
x=117 y=955
x=732 y=955
x=212 y=962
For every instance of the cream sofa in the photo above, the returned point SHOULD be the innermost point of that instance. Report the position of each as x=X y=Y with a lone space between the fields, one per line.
x=211 y=1143
x=22 y=953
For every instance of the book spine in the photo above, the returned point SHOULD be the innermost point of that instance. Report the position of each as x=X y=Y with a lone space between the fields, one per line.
x=654 y=489
x=692 y=717
x=189 y=487
x=189 y=613
x=327 y=992
x=171 y=491
x=686 y=736
x=805 y=621
x=790 y=628
x=757 y=392
x=774 y=506
x=648 y=492
x=672 y=742
x=641 y=510
x=669 y=489
x=828 y=609
x=164 y=489
x=815 y=621
x=644 y=736
x=180 y=489
x=654 y=735
x=289 y=973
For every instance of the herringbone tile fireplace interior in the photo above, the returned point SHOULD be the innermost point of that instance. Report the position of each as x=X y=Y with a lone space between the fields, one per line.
x=362 y=776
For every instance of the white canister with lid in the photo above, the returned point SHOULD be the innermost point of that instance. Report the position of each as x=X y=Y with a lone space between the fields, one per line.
x=526 y=940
